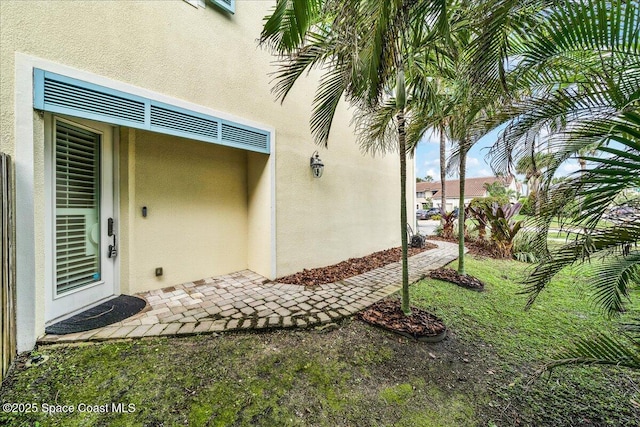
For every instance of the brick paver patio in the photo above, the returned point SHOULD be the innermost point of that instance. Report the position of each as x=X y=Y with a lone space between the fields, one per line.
x=246 y=300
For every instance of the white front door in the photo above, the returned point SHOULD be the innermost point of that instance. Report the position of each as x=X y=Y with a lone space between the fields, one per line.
x=81 y=226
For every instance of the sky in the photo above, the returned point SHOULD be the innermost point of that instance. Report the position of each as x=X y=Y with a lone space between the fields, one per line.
x=428 y=158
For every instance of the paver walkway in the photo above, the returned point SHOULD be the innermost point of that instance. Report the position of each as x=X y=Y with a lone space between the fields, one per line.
x=246 y=300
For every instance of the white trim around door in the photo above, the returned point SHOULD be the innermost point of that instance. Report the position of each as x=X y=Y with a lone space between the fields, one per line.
x=81 y=224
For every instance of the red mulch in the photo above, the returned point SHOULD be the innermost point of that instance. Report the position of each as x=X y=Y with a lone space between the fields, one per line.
x=477 y=247
x=349 y=268
x=451 y=275
x=388 y=314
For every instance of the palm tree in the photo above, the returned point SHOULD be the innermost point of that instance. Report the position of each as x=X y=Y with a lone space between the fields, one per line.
x=362 y=48
x=578 y=71
x=445 y=100
x=466 y=111
x=443 y=165
x=533 y=167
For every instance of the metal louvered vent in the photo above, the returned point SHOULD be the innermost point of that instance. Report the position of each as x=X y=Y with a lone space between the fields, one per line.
x=92 y=101
x=162 y=118
x=243 y=136
x=65 y=95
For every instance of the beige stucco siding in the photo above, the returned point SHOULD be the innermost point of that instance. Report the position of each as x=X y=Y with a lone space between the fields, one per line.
x=211 y=59
x=212 y=209
x=200 y=55
x=196 y=199
x=352 y=210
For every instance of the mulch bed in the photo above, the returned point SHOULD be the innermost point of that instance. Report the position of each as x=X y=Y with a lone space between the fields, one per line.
x=351 y=267
x=420 y=325
x=451 y=275
x=477 y=247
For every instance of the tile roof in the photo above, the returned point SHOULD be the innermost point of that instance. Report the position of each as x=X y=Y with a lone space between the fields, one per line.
x=474 y=187
x=427 y=186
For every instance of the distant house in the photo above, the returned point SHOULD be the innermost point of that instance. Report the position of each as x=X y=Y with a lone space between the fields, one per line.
x=424 y=193
x=474 y=187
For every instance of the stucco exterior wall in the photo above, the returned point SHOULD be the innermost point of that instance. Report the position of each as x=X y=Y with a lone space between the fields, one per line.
x=207 y=58
x=455 y=202
x=351 y=211
x=196 y=199
x=210 y=58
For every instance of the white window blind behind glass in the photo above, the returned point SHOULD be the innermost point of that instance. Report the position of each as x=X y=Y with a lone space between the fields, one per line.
x=77 y=160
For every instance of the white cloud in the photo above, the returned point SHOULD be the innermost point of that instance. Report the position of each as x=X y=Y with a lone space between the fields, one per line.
x=569 y=167
x=431 y=162
x=472 y=161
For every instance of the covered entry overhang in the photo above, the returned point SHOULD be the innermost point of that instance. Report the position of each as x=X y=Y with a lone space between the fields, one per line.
x=158 y=155
x=58 y=93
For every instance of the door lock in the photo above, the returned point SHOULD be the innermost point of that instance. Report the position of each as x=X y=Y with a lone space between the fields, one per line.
x=112 y=251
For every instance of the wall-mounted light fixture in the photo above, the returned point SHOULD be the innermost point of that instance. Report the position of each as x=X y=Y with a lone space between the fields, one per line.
x=317 y=167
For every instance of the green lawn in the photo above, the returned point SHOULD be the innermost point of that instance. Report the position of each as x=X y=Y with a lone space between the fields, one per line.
x=355 y=375
x=555 y=224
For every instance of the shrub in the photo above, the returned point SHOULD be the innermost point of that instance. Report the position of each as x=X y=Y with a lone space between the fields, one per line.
x=528 y=204
x=477 y=210
x=503 y=228
x=448 y=222
x=523 y=248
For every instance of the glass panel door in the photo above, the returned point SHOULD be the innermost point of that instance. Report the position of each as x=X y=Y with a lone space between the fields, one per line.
x=81 y=257
x=77 y=207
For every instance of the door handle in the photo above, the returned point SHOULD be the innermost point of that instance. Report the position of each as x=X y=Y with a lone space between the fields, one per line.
x=112 y=251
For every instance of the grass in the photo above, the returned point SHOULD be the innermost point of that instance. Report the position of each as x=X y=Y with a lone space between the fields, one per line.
x=555 y=223
x=525 y=340
x=498 y=316
x=355 y=375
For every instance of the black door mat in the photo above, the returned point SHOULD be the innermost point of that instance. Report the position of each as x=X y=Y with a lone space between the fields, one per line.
x=107 y=313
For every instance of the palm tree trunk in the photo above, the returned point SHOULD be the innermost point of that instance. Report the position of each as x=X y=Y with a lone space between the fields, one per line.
x=443 y=160
x=583 y=165
x=402 y=148
x=536 y=187
x=463 y=173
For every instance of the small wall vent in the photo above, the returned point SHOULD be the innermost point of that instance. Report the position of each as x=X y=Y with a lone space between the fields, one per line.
x=167 y=119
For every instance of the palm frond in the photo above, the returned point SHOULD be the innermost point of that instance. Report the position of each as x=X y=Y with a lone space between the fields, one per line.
x=285 y=28
x=576 y=72
x=330 y=90
x=377 y=130
x=499 y=21
x=613 y=279
x=602 y=350
x=586 y=246
x=314 y=54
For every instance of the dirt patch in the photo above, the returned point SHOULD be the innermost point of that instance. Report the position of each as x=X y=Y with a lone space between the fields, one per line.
x=452 y=276
x=420 y=325
x=351 y=267
x=354 y=375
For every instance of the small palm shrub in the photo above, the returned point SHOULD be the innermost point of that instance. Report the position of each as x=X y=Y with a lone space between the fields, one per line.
x=524 y=249
x=503 y=227
x=477 y=210
x=448 y=219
